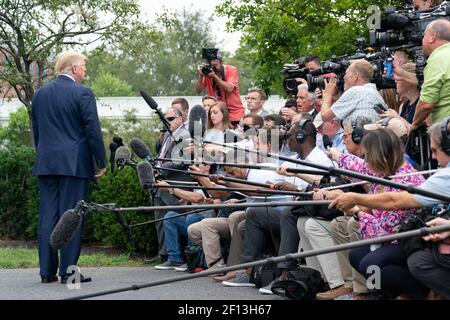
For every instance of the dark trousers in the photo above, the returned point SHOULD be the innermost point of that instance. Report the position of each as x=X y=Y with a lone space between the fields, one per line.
x=394 y=274
x=423 y=267
x=57 y=195
x=262 y=224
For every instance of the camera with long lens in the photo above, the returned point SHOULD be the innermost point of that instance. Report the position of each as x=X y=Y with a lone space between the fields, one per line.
x=290 y=72
x=209 y=54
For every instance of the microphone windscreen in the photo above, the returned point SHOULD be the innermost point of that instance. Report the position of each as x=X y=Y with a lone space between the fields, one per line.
x=65 y=229
x=123 y=154
x=139 y=148
x=152 y=103
x=327 y=141
x=118 y=140
x=197 y=121
x=145 y=175
x=113 y=147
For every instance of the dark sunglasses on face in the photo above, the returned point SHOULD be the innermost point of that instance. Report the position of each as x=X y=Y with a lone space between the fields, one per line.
x=170 y=119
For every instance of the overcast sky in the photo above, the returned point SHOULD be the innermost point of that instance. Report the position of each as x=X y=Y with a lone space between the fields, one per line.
x=229 y=41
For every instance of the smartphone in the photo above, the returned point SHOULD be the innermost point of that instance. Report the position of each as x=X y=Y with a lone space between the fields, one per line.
x=379 y=108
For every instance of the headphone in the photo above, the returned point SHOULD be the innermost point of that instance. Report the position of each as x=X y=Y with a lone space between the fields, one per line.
x=357 y=131
x=385 y=122
x=301 y=135
x=445 y=141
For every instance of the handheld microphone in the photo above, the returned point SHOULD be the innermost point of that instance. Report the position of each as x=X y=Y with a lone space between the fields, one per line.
x=145 y=175
x=112 y=148
x=197 y=121
x=141 y=149
x=123 y=156
x=327 y=143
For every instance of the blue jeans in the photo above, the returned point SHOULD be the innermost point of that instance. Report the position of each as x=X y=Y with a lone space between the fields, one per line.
x=173 y=229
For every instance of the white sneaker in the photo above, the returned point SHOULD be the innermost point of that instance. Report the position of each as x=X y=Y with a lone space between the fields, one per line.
x=242 y=279
x=182 y=268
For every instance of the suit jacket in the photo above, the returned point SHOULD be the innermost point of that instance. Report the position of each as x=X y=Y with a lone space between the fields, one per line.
x=66 y=130
x=176 y=148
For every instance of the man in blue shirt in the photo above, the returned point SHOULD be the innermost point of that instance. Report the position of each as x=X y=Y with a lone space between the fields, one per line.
x=421 y=263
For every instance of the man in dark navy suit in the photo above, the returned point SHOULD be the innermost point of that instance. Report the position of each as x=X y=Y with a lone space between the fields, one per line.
x=69 y=152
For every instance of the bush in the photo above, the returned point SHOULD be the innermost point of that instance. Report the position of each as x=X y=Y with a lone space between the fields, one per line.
x=19 y=193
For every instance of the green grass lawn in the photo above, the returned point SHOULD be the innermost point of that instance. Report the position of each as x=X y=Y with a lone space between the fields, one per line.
x=12 y=258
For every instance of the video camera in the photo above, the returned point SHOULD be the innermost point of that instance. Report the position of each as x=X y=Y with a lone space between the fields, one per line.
x=398 y=28
x=290 y=72
x=209 y=54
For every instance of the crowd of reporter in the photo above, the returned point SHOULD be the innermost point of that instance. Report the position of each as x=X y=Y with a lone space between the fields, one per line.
x=330 y=128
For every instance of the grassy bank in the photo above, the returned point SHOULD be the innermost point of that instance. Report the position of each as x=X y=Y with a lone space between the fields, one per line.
x=12 y=258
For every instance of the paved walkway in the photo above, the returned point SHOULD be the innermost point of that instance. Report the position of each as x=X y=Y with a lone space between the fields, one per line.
x=24 y=284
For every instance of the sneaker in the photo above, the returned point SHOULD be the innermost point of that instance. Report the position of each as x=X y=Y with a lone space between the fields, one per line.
x=333 y=293
x=267 y=289
x=182 y=268
x=242 y=279
x=168 y=265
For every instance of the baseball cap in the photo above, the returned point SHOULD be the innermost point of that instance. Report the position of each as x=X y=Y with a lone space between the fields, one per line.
x=396 y=125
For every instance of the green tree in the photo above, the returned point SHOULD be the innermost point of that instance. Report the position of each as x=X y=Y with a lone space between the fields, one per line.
x=32 y=32
x=17 y=132
x=108 y=85
x=279 y=31
x=168 y=67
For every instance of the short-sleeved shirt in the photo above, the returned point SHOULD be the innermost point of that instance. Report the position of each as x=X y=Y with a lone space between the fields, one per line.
x=232 y=99
x=436 y=86
x=358 y=101
x=439 y=183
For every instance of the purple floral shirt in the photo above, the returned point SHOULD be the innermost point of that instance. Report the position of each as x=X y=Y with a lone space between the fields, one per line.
x=380 y=222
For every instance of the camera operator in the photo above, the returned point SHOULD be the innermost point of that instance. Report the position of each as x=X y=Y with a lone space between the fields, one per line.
x=221 y=82
x=359 y=97
x=421 y=263
x=435 y=93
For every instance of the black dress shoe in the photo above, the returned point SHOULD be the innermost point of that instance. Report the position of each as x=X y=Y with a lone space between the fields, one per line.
x=83 y=279
x=49 y=279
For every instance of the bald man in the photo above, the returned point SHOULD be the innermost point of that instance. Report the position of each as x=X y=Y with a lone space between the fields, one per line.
x=435 y=93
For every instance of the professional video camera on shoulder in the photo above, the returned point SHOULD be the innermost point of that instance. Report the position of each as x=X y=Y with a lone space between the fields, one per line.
x=209 y=54
x=292 y=71
x=406 y=27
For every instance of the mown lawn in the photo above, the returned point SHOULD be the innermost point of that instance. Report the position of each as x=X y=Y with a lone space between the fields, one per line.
x=13 y=258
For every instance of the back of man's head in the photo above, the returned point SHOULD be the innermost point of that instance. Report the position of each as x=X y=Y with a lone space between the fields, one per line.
x=441 y=28
x=68 y=59
x=364 y=68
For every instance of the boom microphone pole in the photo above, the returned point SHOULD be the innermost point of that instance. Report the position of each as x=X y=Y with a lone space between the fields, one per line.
x=348 y=173
x=249 y=166
x=288 y=257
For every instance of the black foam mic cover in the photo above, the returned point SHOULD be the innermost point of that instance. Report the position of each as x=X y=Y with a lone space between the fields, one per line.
x=197 y=121
x=139 y=148
x=152 y=103
x=327 y=142
x=65 y=229
x=112 y=148
x=118 y=140
x=145 y=175
x=123 y=156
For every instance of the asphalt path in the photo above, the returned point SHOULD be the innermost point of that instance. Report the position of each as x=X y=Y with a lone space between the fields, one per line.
x=24 y=284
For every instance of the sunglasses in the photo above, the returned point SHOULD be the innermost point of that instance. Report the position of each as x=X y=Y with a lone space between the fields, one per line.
x=170 y=119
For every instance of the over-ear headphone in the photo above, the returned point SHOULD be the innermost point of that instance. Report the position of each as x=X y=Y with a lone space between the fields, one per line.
x=357 y=131
x=301 y=135
x=385 y=122
x=445 y=141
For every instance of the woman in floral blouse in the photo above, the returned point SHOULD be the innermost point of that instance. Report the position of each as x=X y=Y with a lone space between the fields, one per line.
x=383 y=157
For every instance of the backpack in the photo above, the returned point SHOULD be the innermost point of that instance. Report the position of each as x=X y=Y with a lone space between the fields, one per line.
x=264 y=274
x=301 y=284
x=195 y=258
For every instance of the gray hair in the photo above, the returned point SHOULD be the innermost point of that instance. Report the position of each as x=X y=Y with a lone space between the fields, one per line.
x=441 y=28
x=360 y=121
x=435 y=132
x=304 y=86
